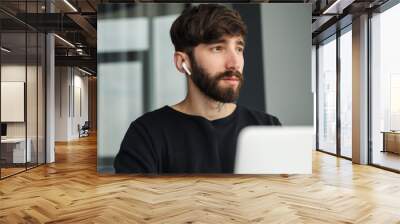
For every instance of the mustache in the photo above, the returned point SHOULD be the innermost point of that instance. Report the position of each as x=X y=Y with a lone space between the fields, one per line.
x=230 y=73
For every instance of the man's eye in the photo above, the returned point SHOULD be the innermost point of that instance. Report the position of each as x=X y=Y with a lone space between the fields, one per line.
x=216 y=49
x=240 y=49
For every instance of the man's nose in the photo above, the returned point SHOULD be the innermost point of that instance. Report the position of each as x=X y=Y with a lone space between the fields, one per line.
x=234 y=60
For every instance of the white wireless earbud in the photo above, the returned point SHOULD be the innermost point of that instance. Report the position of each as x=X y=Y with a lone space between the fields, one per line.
x=185 y=68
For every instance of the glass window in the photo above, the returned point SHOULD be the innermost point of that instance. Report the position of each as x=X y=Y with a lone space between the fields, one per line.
x=15 y=151
x=327 y=95
x=346 y=93
x=385 y=87
x=22 y=91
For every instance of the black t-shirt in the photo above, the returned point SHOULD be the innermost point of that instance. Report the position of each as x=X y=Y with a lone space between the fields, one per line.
x=169 y=141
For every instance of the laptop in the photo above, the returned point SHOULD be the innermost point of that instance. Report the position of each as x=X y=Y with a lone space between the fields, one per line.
x=274 y=150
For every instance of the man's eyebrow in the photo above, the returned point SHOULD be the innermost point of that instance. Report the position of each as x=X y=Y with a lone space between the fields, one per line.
x=219 y=41
x=241 y=42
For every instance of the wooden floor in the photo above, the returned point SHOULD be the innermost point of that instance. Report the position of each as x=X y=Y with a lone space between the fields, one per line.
x=70 y=191
x=10 y=171
x=387 y=159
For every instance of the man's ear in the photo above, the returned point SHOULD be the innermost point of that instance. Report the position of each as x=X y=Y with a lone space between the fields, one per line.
x=179 y=58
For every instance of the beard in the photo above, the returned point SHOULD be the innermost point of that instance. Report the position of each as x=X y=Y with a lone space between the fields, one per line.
x=208 y=84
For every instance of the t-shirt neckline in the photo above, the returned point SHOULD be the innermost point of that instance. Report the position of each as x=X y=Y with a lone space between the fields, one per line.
x=218 y=121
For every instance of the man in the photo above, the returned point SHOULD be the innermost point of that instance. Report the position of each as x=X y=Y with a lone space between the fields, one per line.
x=199 y=134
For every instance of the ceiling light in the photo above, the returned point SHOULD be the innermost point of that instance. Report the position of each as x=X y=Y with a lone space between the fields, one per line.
x=331 y=7
x=64 y=40
x=5 y=49
x=84 y=71
x=70 y=5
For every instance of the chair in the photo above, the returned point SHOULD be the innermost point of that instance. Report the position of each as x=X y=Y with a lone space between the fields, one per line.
x=84 y=130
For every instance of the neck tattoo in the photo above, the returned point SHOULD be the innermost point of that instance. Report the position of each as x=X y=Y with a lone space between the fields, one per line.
x=219 y=106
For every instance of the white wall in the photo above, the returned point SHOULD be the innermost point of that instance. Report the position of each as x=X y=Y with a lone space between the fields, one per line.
x=80 y=83
x=61 y=103
x=12 y=73
x=68 y=81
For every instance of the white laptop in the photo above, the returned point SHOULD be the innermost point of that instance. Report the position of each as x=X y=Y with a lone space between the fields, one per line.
x=274 y=150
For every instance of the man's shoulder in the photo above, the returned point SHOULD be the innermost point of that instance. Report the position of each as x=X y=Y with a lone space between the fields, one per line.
x=262 y=117
x=152 y=118
x=155 y=114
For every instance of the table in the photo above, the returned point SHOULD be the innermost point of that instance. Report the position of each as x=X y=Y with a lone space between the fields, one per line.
x=391 y=141
x=13 y=150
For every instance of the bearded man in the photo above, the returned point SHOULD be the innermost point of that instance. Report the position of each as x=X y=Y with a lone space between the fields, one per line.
x=198 y=134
